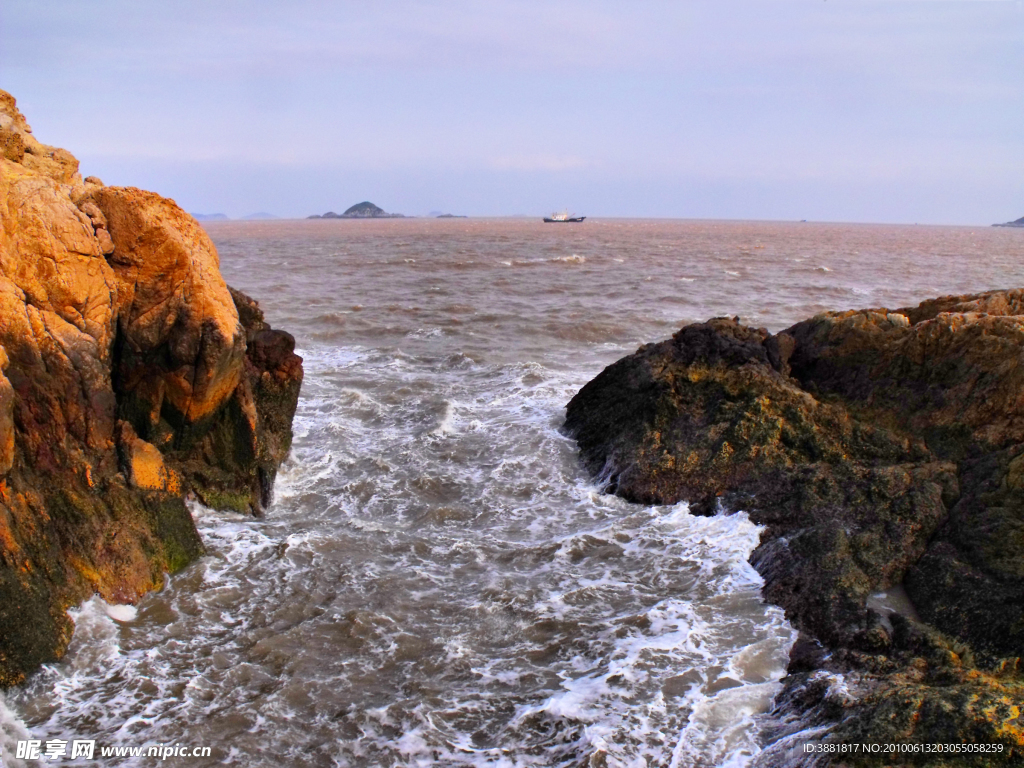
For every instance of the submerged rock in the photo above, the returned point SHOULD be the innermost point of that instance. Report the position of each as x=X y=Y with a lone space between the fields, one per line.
x=878 y=448
x=131 y=377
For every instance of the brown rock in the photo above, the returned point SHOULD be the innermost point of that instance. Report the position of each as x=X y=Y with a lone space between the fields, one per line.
x=953 y=377
x=176 y=318
x=143 y=464
x=20 y=146
x=12 y=146
x=6 y=417
x=58 y=164
x=96 y=217
x=115 y=374
x=99 y=225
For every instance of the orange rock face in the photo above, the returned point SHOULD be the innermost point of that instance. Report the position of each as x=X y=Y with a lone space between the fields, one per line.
x=171 y=295
x=124 y=372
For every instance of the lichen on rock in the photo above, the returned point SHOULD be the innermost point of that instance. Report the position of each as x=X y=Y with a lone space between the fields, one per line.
x=879 y=448
x=127 y=381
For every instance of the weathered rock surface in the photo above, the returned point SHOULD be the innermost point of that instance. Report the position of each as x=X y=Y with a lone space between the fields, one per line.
x=128 y=381
x=879 y=448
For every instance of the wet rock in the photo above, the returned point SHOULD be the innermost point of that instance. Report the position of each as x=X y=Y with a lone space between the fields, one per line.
x=125 y=375
x=877 y=447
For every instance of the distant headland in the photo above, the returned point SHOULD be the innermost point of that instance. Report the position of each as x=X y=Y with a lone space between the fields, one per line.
x=363 y=210
x=1018 y=223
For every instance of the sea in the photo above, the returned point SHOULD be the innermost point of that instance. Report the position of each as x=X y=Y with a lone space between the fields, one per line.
x=438 y=581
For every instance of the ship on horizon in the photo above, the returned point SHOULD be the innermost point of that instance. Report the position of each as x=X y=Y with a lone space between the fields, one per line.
x=563 y=218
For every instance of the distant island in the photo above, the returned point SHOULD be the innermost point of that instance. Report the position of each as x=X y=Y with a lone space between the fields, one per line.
x=450 y=216
x=1018 y=223
x=363 y=210
x=209 y=216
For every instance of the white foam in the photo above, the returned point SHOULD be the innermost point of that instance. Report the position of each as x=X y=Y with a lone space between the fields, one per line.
x=433 y=531
x=12 y=730
x=122 y=613
x=446 y=426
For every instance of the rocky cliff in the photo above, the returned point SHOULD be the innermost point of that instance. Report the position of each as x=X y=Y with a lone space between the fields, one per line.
x=882 y=450
x=132 y=376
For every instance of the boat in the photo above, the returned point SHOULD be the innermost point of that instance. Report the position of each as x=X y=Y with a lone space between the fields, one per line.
x=563 y=218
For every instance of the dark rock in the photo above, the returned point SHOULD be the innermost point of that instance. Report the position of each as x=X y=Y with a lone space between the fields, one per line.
x=877 y=448
x=233 y=464
x=706 y=413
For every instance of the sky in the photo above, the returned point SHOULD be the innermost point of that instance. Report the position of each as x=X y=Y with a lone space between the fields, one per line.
x=829 y=110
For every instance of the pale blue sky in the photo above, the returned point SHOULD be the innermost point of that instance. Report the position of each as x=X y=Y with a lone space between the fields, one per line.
x=842 y=110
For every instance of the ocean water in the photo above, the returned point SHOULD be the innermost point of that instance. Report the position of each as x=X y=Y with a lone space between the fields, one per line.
x=438 y=581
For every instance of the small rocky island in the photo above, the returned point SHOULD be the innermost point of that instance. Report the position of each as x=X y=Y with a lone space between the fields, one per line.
x=132 y=378
x=363 y=210
x=1018 y=223
x=882 y=451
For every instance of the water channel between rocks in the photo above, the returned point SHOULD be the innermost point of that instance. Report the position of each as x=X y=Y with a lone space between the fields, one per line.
x=438 y=581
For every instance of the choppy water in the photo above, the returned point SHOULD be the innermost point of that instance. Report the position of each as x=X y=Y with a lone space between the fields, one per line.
x=438 y=582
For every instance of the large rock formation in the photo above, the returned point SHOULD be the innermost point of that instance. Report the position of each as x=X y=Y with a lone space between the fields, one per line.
x=131 y=377
x=881 y=449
